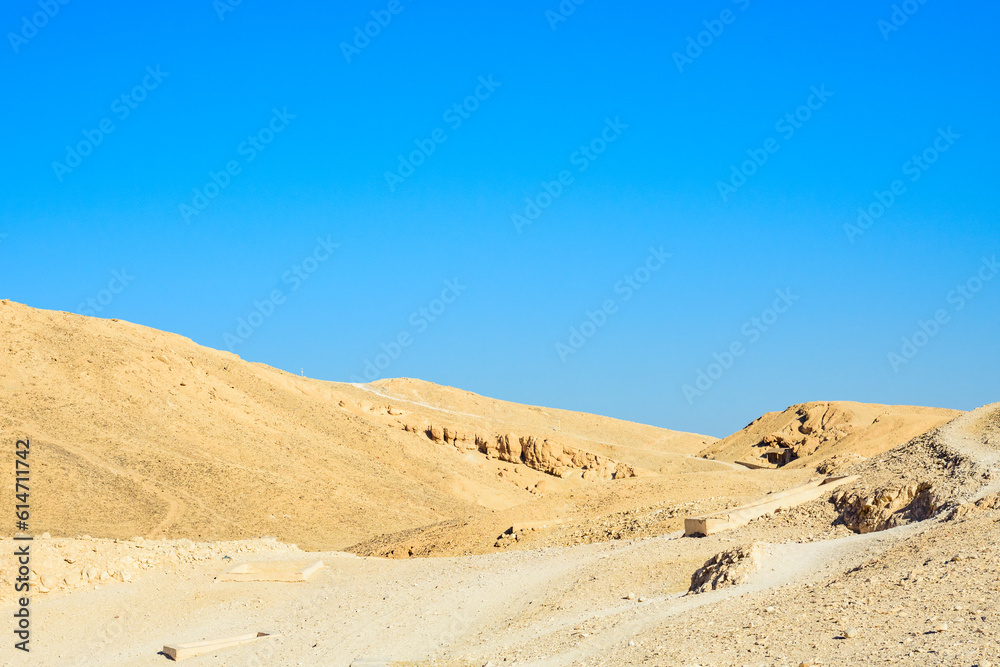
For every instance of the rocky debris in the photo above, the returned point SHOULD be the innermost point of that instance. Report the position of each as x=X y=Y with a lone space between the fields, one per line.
x=729 y=568
x=383 y=410
x=838 y=463
x=990 y=502
x=814 y=521
x=507 y=538
x=908 y=483
x=896 y=600
x=642 y=521
x=541 y=487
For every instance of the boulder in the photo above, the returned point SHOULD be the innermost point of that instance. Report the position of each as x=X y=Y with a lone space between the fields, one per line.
x=729 y=568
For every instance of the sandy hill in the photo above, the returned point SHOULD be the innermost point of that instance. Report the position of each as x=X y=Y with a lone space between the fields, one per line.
x=137 y=432
x=827 y=435
x=572 y=520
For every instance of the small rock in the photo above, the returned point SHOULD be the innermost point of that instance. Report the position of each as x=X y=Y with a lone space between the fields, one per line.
x=941 y=627
x=851 y=633
x=630 y=596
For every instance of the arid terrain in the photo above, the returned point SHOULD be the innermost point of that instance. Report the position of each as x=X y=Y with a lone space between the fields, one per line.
x=459 y=530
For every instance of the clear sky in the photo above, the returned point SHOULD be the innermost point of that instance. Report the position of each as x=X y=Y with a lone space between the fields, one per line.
x=579 y=206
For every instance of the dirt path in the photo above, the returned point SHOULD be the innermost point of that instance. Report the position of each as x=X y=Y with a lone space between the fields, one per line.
x=174 y=504
x=798 y=563
x=405 y=400
x=724 y=464
x=413 y=610
x=961 y=435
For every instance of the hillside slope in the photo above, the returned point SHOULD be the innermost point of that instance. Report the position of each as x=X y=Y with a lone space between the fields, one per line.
x=139 y=432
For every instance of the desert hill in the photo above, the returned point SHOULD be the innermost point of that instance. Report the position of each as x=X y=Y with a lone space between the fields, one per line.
x=139 y=432
x=825 y=434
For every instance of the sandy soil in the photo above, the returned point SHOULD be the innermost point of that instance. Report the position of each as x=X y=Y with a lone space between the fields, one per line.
x=618 y=602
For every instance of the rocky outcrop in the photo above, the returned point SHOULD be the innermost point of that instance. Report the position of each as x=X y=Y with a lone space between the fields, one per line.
x=812 y=427
x=869 y=511
x=729 y=568
x=365 y=406
x=559 y=460
x=509 y=449
x=989 y=502
x=538 y=453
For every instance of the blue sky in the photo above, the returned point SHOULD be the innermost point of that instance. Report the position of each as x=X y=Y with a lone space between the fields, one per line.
x=216 y=156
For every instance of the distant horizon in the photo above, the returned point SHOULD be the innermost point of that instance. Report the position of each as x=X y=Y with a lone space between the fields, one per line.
x=681 y=216
x=513 y=400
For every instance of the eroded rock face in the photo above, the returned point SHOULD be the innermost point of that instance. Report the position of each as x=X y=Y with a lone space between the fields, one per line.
x=509 y=448
x=729 y=568
x=813 y=427
x=870 y=511
x=540 y=454
x=559 y=460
